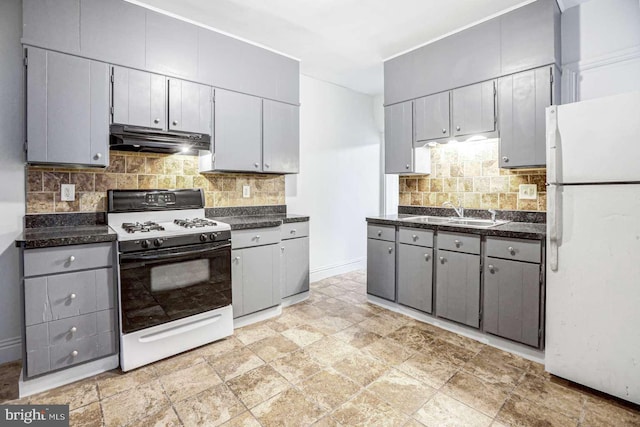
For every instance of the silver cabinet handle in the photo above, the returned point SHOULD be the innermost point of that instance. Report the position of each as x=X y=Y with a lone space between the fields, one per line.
x=73 y=296
x=98 y=156
x=73 y=330
x=175 y=123
x=257 y=165
x=444 y=130
x=237 y=258
x=74 y=353
x=293 y=231
x=390 y=250
x=427 y=257
x=442 y=259
x=72 y=258
x=457 y=127
x=156 y=121
x=491 y=268
x=511 y=250
x=414 y=237
x=257 y=236
x=266 y=165
x=282 y=248
x=457 y=242
x=505 y=159
x=379 y=233
x=407 y=167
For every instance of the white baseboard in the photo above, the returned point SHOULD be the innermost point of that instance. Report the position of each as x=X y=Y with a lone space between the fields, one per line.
x=10 y=350
x=252 y=318
x=506 y=345
x=335 y=269
x=67 y=376
x=294 y=299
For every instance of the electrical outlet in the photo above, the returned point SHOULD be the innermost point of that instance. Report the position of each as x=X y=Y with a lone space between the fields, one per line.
x=67 y=192
x=246 y=191
x=527 y=191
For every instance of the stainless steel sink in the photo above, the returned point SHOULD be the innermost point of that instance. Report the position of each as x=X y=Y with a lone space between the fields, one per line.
x=460 y=222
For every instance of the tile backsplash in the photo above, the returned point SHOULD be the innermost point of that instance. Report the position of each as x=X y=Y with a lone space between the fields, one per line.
x=129 y=170
x=468 y=173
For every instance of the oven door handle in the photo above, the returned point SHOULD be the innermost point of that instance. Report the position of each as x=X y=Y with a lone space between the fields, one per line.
x=132 y=257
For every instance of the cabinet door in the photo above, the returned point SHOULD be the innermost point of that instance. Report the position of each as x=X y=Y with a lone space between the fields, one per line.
x=295 y=266
x=67 y=109
x=52 y=24
x=280 y=137
x=474 y=109
x=458 y=287
x=398 y=138
x=255 y=279
x=189 y=107
x=415 y=277
x=139 y=98
x=171 y=46
x=381 y=269
x=512 y=300
x=522 y=100
x=237 y=132
x=432 y=117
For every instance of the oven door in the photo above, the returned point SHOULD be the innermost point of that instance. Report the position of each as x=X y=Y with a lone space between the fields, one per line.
x=162 y=285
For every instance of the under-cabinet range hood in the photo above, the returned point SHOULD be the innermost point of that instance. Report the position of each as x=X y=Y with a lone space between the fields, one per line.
x=148 y=140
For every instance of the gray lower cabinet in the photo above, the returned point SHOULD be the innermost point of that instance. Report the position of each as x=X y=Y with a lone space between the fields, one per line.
x=522 y=100
x=255 y=278
x=69 y=316
x=138 y=98
x=189 y=106
x=294 y=266
x=512 y=294
x=432 y=117
x=458 y=287
x=280 y=137
x=474 y=109
x=398 y=137
x=415 y=277
x=381 y=269
x=67 y=109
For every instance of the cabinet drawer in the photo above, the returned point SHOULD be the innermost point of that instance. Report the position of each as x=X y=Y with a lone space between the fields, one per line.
x=254 y=237
x=459 y=242
x=295 y=229
x=74 y=352
x=62 y=296
x=415 y=236
x=515 y=249
x=381 y=232
x=63 y=259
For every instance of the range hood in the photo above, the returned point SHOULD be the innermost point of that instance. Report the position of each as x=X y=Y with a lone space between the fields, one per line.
x=148 y=140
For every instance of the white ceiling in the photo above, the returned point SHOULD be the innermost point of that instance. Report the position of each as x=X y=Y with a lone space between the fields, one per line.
x=340 y=41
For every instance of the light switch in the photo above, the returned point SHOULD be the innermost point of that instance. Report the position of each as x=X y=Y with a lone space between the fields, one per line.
x=527 y=191
x=67 y=192
x=246 y=191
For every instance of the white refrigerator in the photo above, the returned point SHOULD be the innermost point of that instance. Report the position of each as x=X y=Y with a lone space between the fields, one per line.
x=593 y=244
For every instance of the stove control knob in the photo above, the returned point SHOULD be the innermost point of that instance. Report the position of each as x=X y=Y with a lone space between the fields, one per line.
x=145 y=244
x=203 y=237
x=213 y=236
x=158 y=242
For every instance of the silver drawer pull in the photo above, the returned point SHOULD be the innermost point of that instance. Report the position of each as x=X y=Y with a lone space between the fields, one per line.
x=390 y=250
x=74 y=353
x=511 y=250
x=457 y=242
x=73 y=296
x=73 y=330
x=379 y=233
x=444 y=130
x=72 y=258
x=98 y=156
x=175 y=123
x=442 y=259
x=491 y=268
x=156 y=121
x=427 y=257
x=293 y=231
x=257 y=236
x=237 y=258
x=414 y=237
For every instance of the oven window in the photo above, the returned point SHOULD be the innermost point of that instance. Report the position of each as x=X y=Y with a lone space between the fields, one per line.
x=160 y=286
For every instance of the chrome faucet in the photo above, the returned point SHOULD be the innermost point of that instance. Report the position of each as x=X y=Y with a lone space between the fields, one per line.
x=459 y=210
x=493 y=215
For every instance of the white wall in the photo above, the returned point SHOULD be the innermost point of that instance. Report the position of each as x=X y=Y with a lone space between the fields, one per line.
x=339 y=182
x=600 y=49
x=11 y=175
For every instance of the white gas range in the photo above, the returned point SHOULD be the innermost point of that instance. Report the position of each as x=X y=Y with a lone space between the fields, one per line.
x=174 y=273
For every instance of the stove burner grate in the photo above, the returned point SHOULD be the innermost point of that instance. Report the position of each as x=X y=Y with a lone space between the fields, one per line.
x=143 y=227
x=195 y=223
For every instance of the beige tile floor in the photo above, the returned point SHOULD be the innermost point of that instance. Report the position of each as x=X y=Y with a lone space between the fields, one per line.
x=333 y=360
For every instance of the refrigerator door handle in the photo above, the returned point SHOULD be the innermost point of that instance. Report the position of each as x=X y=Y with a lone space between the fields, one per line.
x=552 y=142
x=554 y=235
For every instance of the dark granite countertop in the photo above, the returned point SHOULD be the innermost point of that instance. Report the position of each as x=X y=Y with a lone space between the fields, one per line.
x=243 y=222
x=519 y=230
x=45 y=237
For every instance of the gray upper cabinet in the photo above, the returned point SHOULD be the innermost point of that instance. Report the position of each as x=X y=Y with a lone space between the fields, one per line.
x=67 y=109
x=415 y=277
x=171 y=46
x=432 y=117
x=280 y=137
x=399 y=74
x=458 y=287
x=52 y=24
x=190 y=106
x=113 y=31
x=474 y=109
x=237 y=132
x=530 y=36
x=522 y=100
x=398 y=137
x=139 y=98
x=512 y=300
